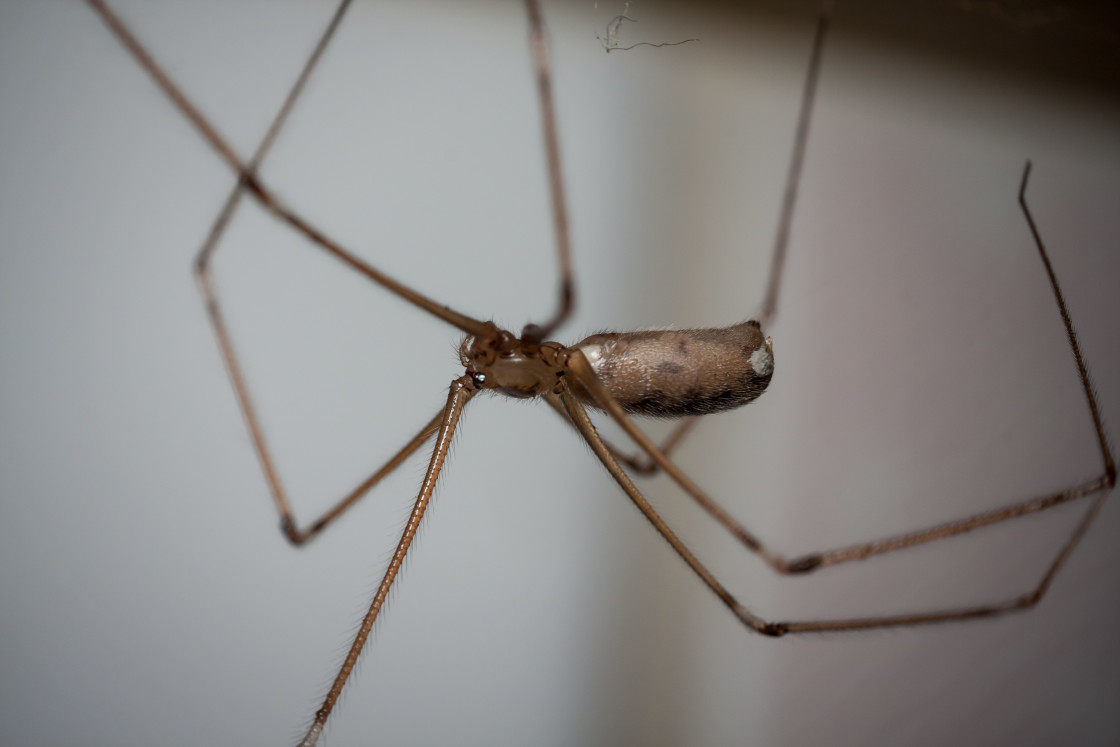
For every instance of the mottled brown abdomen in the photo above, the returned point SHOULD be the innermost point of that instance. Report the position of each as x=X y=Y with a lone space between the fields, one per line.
x=676 y=373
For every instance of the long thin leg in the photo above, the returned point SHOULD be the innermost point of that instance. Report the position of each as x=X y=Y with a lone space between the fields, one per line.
x=793 y=177
x=460 y=393
x=754 y=622
x=583 y=423
x=811 y=561
x=579 y=367
x=1104 y=482
x=640 y=462
x=1075 y=346
x=205 y=278
x=1101 y=484
x=249 y=181
x=1022 y=602
x=647 y=466
x=582 y=370
x=206 y=286
x=299 y=536
x=538 y=40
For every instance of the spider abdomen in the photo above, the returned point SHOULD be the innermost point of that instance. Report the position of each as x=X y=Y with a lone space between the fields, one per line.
x=677 y=373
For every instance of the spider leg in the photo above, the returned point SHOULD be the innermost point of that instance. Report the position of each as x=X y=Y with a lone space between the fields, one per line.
x=300 y=536
x=639 y=462
x=583 y=423
x=459 y=394
x=793 y=177
x=249 y=181
x=538 y=40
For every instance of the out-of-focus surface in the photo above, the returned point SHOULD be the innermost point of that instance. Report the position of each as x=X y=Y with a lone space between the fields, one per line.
x=146 y=596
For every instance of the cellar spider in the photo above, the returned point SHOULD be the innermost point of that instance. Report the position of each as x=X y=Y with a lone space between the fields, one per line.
x=780 y=370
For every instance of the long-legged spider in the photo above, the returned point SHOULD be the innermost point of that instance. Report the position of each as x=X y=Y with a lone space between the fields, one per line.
x=808 y=565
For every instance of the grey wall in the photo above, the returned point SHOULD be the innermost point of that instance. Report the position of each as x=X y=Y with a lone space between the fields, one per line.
x=146 y=596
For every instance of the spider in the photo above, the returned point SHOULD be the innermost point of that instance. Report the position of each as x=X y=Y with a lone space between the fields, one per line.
x=479 y=373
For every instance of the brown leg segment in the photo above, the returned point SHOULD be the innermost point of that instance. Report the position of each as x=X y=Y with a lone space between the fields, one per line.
x=299 y=536
x=249 y=181
x=793 y=178
x=461 y=392
x=583 y=423
x=205 y=278
x=1101 y=485
x=639 y=462
x=580 y=368
x=646 y=465
x=538 y=40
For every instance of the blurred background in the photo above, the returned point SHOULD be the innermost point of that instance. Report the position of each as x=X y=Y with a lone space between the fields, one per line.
x=146 y=595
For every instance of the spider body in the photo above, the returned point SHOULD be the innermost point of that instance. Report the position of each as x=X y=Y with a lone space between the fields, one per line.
x=660 y=373
x=666 y=373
